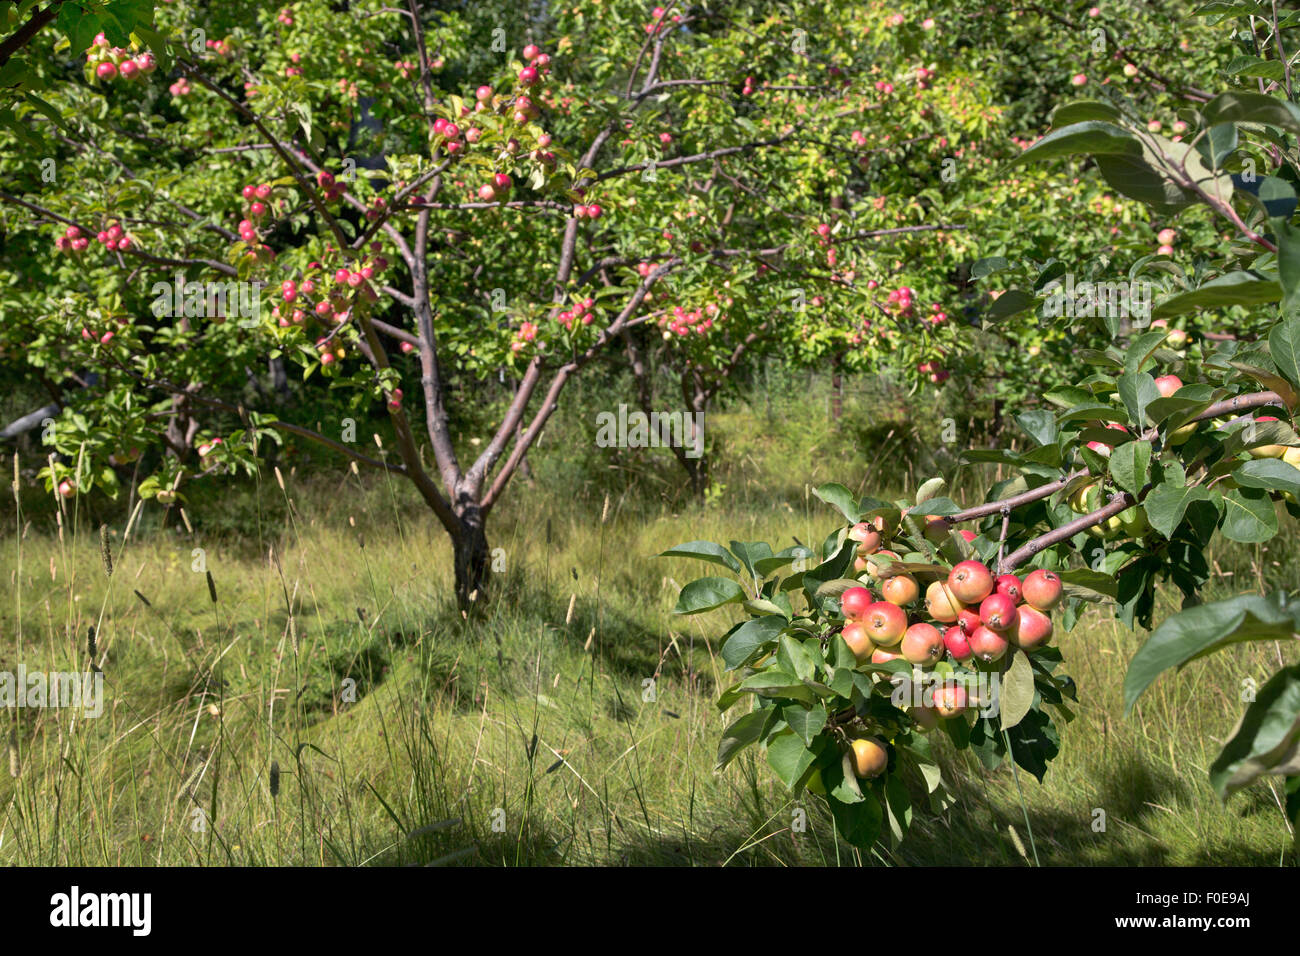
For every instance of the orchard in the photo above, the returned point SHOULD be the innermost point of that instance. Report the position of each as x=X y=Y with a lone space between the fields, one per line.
x=985 y=318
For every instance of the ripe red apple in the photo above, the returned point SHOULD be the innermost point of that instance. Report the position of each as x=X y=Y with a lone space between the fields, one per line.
x=901 y=589
x=855 y=601
x=1042 y=589
x=922 y=644
x=968 y=619
x=859 y=640
x=528 y=76
x=1010 y=585
x=970 y=582
x=868 y=538
x=885 y=623
x=998 y=612
x=987 y=645
x=1032 y=629
x=531 y=52
x=941 y=603
x=958 y=644
x=67 y=488
x=1168 y=384
x=949 y=700
x=870 y=758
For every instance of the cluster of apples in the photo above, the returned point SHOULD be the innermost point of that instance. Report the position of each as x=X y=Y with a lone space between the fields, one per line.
x=984 y=616
x=113 y=62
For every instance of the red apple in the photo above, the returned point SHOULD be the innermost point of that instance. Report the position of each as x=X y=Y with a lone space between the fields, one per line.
x=941 y=603
x=855 y=601
x=901 y=589
x=885 y=623
x=859 y=640
x=970 y=582
x=1042 y=589
x=998 y=612
x=1010 y=585
x=957 y=643
x=949 y=700
x=987 y=645
x=1168 y=384
x=1032 y=629
x=922 y=644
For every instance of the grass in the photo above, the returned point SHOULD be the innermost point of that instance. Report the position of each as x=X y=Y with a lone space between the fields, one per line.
x=572 y=723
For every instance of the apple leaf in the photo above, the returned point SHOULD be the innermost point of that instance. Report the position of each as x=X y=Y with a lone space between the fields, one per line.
x=705 y=594
x=858 y=823
x=1016 y=690
x=705 y=551
x=1235 y=288
x=788 y=756
x=1271 y=474
x=838 y=496
x=1206 y=628
x=1267 y=738
x=806 y=722
x=750 y=638
x=1242 y=106
x=1249 y=516
x=741 y=734
x=1284 y=348
x=1081 y=111
x=1129 y=463
x=1167 y=502
x=1094 y=137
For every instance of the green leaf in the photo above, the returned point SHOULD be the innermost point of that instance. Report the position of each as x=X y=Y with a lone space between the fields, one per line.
x=840 y=497
x=705 y=594
x=806 y=722
x=1137 y=390
x=741 y=734
x=858 y=823
x=1080 y=111
x=751 y=637
x=1267 y=738
x=1016 y=690
x=1284 y=348
x=765 y=566
x=986 y=267
x=1206 y=628
x=1009 y=303
x=1235 y=288
x=750 y=553
x=777 y=683
x=1129 y=463
x=1249 y=516
x=1242 y=106
x=788 y=756
x=705 y=551
x=1166 y=503
x=1094 y=137
x=1271 y=474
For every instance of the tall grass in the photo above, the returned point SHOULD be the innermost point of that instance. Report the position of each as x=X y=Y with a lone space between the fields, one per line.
x=288 y=683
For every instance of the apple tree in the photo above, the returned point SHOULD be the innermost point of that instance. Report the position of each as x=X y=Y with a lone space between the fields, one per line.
x=1125 y=479
x=413 y=206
